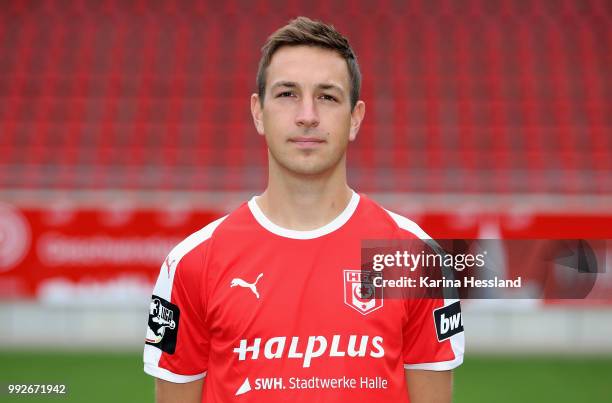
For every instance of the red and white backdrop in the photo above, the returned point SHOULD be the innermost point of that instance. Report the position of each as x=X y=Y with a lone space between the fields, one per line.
x=101 y=256
x=75 y=255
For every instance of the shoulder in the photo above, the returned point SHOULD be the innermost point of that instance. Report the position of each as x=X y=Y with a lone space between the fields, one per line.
x=405 y=224
x=188 y=255
x=195 y=241
x=192 y=251
x=398 y=223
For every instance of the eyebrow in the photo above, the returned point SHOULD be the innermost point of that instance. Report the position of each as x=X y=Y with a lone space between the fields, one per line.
x=330 y=87
x=291 y=84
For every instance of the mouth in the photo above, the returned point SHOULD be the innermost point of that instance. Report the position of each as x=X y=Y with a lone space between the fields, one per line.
x=307 y=142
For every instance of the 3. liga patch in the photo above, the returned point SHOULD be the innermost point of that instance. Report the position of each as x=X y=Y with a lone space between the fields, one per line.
x=448 y=320
x=163 y=324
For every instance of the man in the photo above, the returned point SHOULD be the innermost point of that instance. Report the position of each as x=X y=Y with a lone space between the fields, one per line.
x=254 y=306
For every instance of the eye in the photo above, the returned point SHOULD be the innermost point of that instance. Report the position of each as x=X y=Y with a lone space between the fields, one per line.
x=284 y=94
x=328 y=97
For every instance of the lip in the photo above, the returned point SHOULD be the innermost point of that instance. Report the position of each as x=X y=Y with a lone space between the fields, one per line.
x=306 y=142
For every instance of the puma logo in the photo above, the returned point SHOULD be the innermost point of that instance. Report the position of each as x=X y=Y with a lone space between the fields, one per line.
x=168 y=263
x=252 y=286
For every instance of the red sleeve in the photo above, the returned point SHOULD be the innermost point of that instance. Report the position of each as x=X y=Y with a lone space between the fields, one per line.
x=177 y=342
x=433 y=334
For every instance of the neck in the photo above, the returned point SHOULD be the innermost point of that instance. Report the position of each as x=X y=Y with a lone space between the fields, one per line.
x=304 y=202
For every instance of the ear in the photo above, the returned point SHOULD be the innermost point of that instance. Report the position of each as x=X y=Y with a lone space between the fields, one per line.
x=356 y=117
x=257 y=112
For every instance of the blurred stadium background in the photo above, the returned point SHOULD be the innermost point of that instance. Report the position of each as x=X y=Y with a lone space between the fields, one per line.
x=124 y=126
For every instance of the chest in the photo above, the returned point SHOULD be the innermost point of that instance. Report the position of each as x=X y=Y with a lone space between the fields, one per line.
x=296 y=289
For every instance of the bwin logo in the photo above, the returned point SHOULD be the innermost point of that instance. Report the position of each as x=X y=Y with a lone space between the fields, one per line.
x=448 y=321
x=451 y=323
x=252 y=286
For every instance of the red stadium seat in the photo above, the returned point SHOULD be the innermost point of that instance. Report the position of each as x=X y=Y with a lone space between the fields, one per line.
x=485 y=97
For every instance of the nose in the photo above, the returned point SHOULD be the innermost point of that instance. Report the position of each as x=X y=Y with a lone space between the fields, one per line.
x=307 y=115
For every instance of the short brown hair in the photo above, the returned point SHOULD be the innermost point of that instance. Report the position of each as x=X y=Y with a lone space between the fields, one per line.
x=304 y=31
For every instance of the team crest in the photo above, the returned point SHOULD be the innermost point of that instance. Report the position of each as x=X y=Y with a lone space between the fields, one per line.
x=360 y=293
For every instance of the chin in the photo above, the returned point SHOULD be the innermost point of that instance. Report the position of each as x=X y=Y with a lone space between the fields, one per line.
x=307 y=169
x=311 y=165
x=304 y=166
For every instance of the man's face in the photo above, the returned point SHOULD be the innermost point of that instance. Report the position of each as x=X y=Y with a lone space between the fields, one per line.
x=306 y=118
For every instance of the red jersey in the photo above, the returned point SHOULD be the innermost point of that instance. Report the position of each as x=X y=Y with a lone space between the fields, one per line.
x=270 y=314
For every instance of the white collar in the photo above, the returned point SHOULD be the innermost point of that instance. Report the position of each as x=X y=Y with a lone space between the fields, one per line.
x=333 y=225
